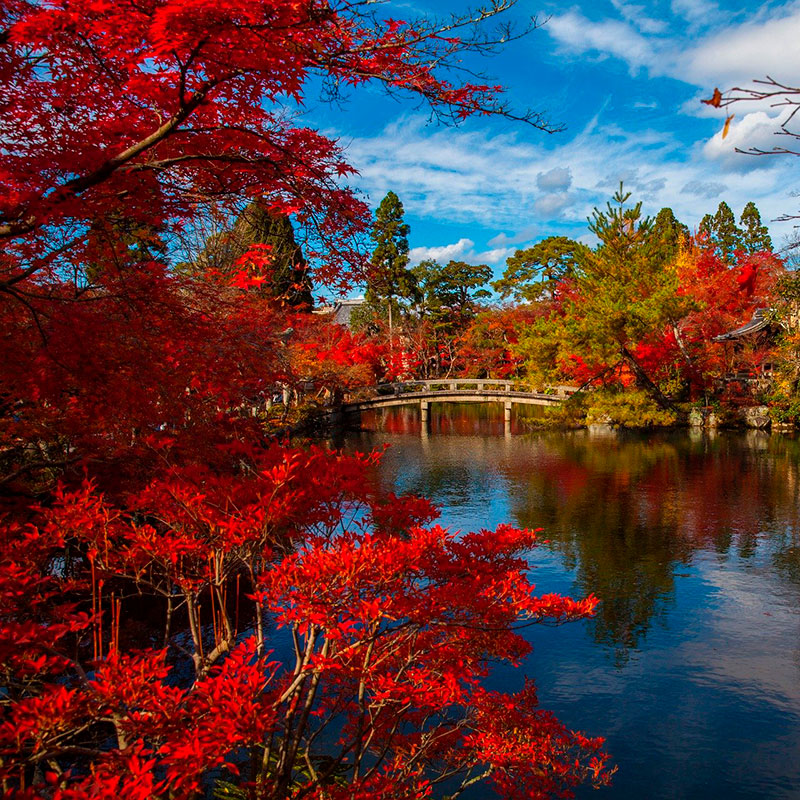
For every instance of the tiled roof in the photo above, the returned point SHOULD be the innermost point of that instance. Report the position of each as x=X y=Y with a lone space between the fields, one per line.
x=756 y=324
x=344 y=308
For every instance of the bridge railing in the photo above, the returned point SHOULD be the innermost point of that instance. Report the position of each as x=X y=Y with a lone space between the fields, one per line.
x=450 y=385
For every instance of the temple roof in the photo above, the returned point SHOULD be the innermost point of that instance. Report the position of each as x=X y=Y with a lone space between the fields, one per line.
x=756 y=324
x=341 y=310
x=344 y=309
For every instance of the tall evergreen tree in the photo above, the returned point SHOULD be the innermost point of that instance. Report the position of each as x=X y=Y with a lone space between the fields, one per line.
x=667 y=237
x=755 y=236
x=390 y=279
x=721 y=233
x=290 y=282
x=704 y=228
x=622 y=230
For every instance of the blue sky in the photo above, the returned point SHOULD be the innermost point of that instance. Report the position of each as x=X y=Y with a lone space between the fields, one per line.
x=626 y=80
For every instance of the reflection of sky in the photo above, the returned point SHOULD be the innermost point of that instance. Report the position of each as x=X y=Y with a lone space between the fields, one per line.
x=747 y=634
x=702 y=533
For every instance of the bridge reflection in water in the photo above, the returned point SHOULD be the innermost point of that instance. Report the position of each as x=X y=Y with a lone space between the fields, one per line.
x=424 y=393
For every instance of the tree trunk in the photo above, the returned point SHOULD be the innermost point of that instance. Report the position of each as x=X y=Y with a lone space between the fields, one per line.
x=682 y=347
x=643 y=379
x=391 y=335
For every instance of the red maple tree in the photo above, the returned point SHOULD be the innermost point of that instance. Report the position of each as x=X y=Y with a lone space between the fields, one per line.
x=185 y=606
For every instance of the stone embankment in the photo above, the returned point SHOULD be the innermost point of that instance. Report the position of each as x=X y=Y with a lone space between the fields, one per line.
x=757 y=417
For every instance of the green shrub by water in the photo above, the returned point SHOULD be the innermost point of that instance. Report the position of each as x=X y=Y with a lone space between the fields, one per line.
x=631 y=409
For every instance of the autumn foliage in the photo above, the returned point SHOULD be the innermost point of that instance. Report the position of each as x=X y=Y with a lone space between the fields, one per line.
x=187 y=607
x=643 y=310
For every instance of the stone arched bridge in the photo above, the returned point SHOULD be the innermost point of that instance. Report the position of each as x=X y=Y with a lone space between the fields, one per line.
x=455 y=391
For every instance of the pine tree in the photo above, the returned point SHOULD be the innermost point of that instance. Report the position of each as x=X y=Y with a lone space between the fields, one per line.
x=622 y=231
x=755 y=236
x=721 y=234
x=667 y=237
x=290 y=283
x=452 y=290
x=390 y=279
x=621 y=298
x=534 y=272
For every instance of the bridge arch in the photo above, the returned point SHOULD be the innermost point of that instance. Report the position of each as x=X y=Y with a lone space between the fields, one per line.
x=456 y=391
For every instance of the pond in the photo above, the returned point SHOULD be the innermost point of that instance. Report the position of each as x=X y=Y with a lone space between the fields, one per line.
x=691 y=667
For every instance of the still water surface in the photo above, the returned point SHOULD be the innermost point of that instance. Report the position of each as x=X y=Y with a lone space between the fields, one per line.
x=691 y=668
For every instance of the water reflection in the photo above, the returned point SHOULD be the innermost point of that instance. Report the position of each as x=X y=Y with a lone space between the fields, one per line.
x=692 y=543
x=626 y=511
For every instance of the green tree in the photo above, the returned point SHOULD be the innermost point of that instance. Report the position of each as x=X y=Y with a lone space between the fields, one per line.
x=622 y=230
x=621 y=297
x=448 y=300
x=534 y=272
x=390 y=279
x=755 y=236
x=453 y=289
x=290 y=282
x=667 y=237
x=721 y=233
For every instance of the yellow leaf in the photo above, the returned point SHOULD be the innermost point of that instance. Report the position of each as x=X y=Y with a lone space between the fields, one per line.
x=727 y=125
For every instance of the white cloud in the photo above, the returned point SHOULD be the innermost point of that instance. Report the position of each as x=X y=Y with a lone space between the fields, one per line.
x=447 y=252
x=494 y=256
x=492 y=181
x=555 y=198
x=462 y=250
x=733 y=55
x=695 y=11
x=556 y=179
x=641 y=184
x=551 y=205
x=706 y=189
x=577 y=34
x=637 y=16
x=754 y=130
x=740 y=53
x=522 y=236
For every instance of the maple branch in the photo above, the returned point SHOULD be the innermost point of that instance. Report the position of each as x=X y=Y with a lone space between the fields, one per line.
x=424 y=33
x=227 y=158
x=34 y=465
x=76 y=186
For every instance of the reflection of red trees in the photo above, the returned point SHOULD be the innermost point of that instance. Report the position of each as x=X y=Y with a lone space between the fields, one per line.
x=625 y=511
x=459 y=419
x=668 y=485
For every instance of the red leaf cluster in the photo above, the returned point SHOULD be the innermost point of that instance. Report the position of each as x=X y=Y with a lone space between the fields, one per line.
x=186 y=604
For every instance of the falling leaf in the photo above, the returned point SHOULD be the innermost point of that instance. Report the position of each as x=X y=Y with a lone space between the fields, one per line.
x=727 y=125
x=716 y=99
